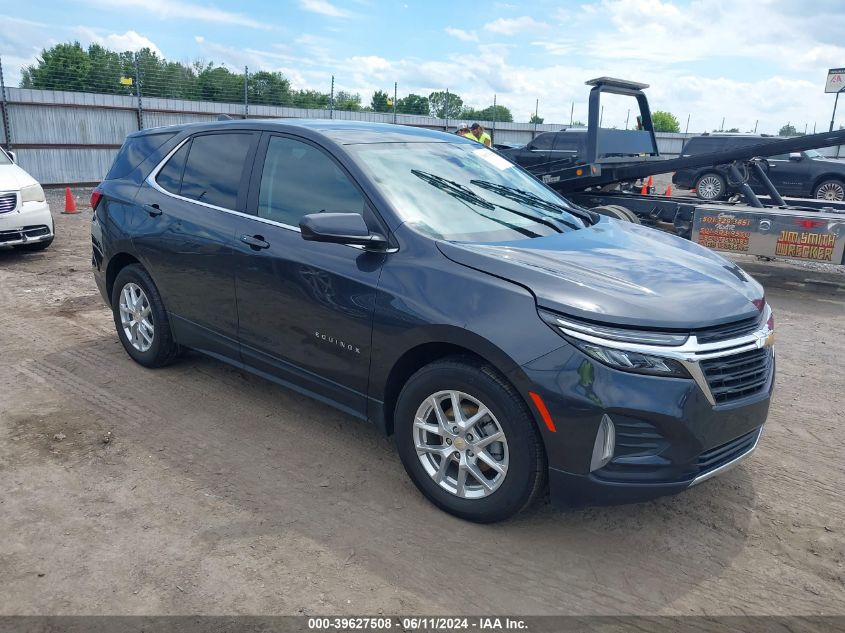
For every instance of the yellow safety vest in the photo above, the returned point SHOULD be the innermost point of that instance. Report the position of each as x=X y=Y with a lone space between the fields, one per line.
x=484 y=139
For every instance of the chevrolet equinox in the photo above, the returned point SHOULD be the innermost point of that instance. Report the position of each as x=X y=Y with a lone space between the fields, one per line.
x=506 y=338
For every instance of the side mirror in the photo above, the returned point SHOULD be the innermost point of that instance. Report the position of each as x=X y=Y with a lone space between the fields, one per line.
x=796 y=156
x=340 y=228
x=13 y=156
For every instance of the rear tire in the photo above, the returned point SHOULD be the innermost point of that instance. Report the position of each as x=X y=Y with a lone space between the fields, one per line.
x=34 y=247
x=711 y=186
x=140 y=318
x=447 y=457
x=831 y=189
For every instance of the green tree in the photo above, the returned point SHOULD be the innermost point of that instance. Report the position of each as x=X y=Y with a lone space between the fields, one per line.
x=535 y=119
x=413 y=104
x=500 y=113
x=788 y=130
x=63 y=67
x=269 y=88
x=664 y=122
x=445 y=105
x=311 y=99
x=378 y=102
x=347 y=101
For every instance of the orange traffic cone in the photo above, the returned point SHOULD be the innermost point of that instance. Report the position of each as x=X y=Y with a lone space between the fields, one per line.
x=70 y=203
x=668 y=190
x=644 y=190
x=651 y=184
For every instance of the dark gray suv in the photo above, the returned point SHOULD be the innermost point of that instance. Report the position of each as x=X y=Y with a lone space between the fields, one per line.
x=805 y=174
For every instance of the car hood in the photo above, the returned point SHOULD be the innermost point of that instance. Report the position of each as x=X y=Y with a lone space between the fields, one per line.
x=620 y=273
x=12 y=178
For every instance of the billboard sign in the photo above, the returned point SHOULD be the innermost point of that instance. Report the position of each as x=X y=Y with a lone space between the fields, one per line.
x=835 y=80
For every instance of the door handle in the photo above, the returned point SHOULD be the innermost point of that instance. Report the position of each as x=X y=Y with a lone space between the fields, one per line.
x=255 y=242
x=153 y=209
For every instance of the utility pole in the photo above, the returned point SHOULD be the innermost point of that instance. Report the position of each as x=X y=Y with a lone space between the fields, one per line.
x=5 y=109
x=446 y=113
x=572 y=114
x=138 y=91
x=686 y=131
x=331 y=101
x=246 y=92
x=755 y=125
x=722 y=128
x=495 y=114
x=395 y=86
x=536 y=116
x=601 y=116
x=627 y=116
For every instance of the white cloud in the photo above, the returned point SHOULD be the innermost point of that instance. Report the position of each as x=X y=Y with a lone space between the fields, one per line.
x=323 y=7
x=129 y=41
x=464 y=36
x=512 y=26
x=170 y=9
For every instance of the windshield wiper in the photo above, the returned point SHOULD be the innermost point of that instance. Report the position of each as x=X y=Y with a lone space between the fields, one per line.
x=468 y=195
x=526 y=197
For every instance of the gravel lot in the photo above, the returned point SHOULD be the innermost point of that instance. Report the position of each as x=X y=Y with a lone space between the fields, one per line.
x=220 y=493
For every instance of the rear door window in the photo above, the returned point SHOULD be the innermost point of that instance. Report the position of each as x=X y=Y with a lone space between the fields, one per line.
x=170 y=176
x=544 y=141
x=215 y=166
x=298 y=179
x=133 y=152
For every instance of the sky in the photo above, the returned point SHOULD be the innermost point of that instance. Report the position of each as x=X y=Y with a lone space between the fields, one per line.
x=750 y=62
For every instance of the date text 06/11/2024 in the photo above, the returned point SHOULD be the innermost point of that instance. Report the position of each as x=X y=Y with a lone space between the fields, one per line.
x=423 y=623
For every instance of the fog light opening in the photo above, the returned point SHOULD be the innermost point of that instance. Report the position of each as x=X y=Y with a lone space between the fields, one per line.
x=604 y=445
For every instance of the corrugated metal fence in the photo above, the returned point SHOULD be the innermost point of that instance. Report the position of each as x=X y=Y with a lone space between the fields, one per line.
x=72 y=137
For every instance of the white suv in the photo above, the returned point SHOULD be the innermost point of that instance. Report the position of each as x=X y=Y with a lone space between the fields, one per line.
x=25 y=219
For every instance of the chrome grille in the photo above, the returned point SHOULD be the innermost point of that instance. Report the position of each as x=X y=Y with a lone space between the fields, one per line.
x=8 y=202
x=737 y=376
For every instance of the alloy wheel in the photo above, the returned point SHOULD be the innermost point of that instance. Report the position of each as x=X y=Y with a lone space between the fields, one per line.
x=461 y=444
x=710 y=187
x=136 y=317
x=833 y=191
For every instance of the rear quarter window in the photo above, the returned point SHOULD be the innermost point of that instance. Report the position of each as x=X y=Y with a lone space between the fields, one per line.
x=134 y=151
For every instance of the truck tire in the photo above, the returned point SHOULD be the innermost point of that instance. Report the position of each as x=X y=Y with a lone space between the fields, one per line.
x=831 y=189
x=618 y=212
x=711 y=186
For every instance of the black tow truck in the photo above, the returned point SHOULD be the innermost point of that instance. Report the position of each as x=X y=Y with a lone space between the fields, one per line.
x=606 y=179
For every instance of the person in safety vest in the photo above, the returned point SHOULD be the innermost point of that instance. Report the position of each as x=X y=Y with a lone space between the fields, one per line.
x=477 y=133
x=463 y=130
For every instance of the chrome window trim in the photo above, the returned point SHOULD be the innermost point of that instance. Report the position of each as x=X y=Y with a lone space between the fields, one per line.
x=725 y=467
x=691 y=353
x=151 y=180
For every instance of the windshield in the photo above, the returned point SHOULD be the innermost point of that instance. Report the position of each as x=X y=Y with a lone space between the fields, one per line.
x=463 y=192
x=812 y=153
x=4 y=158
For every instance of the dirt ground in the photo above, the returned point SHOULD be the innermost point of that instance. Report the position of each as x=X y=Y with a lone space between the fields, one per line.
x=220 y=493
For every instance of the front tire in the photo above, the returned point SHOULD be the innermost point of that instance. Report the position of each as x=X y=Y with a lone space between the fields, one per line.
x=832 y=190
x=140 y=318
x=484 y=463
x=711 y=186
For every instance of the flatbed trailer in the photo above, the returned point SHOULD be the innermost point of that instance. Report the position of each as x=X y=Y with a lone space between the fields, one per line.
x=768 y=226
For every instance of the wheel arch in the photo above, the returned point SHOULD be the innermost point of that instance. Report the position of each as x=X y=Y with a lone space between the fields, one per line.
x=450 y=342
x=117 y=263
x=826 y=176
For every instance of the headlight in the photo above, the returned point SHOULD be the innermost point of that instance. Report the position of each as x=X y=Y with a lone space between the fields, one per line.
x=632 y=361
x=32 y=193
x=583 y=336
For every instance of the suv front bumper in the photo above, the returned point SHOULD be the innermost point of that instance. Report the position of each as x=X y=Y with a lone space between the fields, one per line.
x=668 y=434
x=27 y=223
